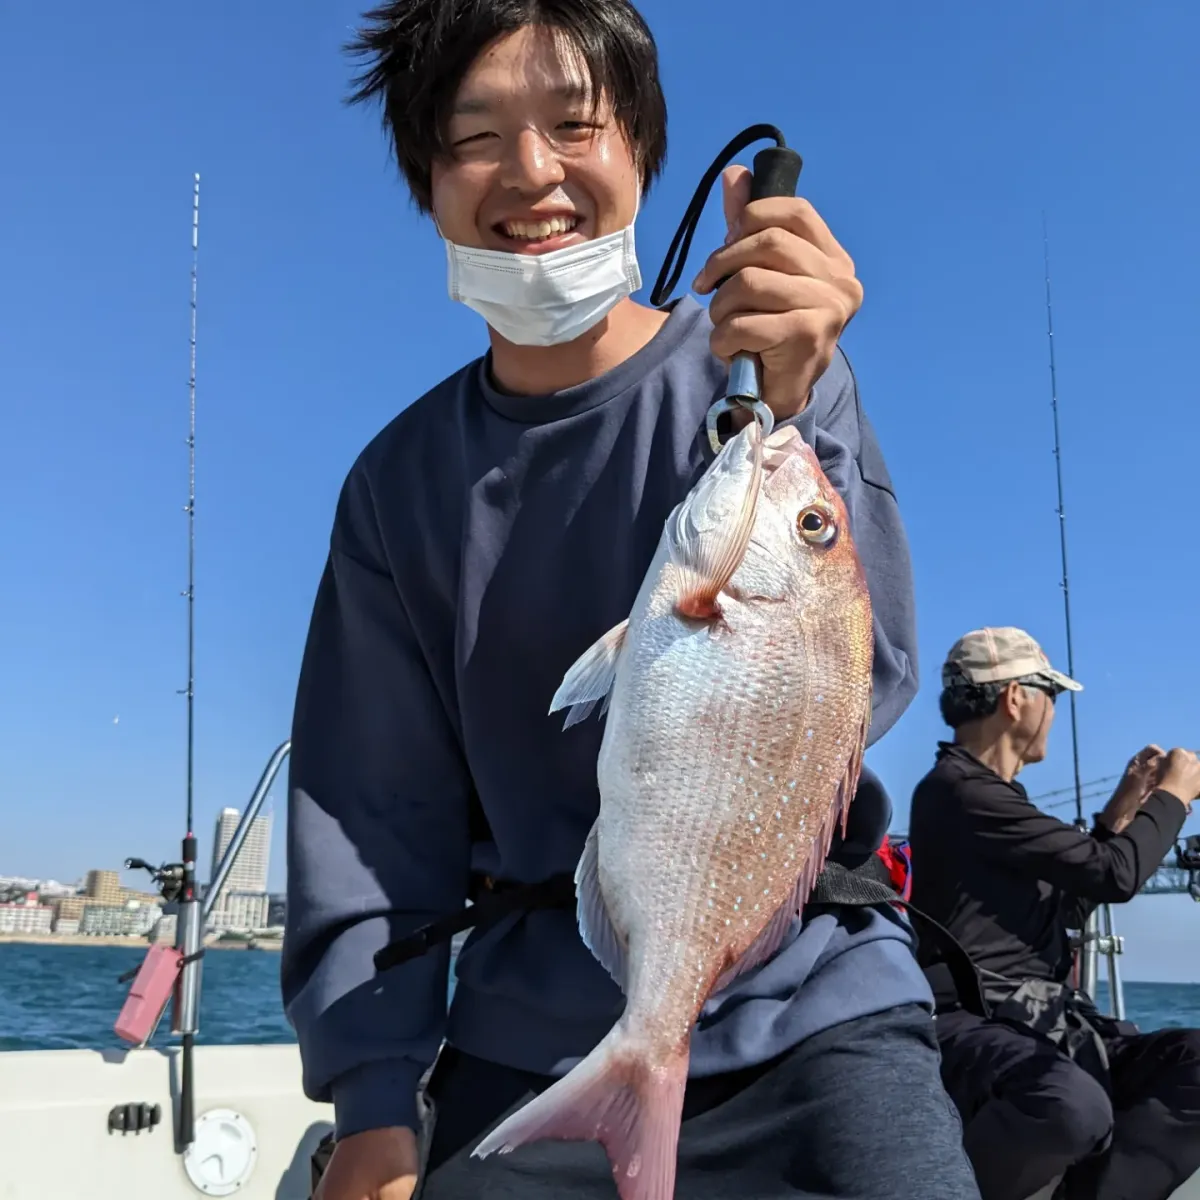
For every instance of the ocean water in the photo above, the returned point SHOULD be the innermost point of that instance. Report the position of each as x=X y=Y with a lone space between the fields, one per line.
x=68 y=997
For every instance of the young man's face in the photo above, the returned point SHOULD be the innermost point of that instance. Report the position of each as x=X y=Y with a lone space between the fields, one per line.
x=533 y=169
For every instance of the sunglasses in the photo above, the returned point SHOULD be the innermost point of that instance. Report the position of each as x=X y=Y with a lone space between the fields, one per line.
x=1039 y=686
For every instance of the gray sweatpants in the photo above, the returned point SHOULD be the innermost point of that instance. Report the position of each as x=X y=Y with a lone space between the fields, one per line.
x=855 y=1113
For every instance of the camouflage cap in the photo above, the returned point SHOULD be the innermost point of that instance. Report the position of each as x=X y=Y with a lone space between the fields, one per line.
x=998 y=655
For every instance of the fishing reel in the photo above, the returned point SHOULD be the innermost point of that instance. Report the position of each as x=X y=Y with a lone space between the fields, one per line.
x=1187 y=855
x=1187 y=858
x=168 y=877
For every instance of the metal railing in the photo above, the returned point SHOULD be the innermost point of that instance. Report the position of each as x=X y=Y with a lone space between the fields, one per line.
x=193 y=916
x=253 y=807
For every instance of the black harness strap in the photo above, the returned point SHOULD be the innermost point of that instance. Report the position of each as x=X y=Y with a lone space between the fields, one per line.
x=869 y=884
x=864 y=885
x=493 y=900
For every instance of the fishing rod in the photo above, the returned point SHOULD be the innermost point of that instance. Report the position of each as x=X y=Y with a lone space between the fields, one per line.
x=176 y=974
x=1062 y=527
x=1094 y=941
x=190 y=509
x=190 y=932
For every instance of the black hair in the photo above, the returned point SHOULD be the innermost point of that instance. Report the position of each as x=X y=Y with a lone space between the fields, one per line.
x=418 y=51
x=962 y=701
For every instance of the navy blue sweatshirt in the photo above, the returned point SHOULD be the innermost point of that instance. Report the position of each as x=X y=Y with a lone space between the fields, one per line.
x=481 y=543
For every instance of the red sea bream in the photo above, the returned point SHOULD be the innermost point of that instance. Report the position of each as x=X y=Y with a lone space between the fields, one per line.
x=738 y=698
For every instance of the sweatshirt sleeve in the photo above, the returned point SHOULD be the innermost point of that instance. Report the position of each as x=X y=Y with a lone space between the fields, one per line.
x=835 y=425
x=1007 y=829
x=377 y=837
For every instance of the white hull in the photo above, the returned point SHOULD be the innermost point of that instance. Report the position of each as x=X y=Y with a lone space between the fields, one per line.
x=55 y=1143
x=54 y=1137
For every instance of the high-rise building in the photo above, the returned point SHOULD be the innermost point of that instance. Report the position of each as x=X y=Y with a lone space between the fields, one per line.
x=233 y=908
x=104 y=887
x=249 y=873
x=227 y=820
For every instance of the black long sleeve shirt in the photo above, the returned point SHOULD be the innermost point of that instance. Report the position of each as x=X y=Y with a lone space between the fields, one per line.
x=1008 y=880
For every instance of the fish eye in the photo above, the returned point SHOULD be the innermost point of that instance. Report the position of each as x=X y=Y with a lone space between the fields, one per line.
x=816 y=526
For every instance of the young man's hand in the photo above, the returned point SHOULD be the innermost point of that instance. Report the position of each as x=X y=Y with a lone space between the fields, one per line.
x=380 y=1164
x=791 y=291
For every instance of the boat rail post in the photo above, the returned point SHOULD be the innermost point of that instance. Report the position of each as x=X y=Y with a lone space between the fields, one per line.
x=1100 y=937
x=1112 y=946
x=1089 y=957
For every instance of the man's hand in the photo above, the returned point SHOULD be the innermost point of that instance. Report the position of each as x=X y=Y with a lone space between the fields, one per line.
x=1143 y=771
x=1139 y=780
x=1181 y=776
x=791 y=291
x=380 y=1164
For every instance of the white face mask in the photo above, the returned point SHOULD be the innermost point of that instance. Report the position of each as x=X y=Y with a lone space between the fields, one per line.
x=545 y=299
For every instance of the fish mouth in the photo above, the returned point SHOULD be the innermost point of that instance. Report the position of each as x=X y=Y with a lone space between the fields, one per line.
x=781 y=445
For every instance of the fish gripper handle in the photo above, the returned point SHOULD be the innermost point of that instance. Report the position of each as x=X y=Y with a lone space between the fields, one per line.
x=776 y=172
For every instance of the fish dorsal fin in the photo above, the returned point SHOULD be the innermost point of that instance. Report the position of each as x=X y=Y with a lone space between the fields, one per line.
x=590 y=678
x=706 y=559
x=595 y=924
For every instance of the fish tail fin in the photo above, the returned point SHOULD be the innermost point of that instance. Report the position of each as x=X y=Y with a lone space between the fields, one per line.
x=631 y=1106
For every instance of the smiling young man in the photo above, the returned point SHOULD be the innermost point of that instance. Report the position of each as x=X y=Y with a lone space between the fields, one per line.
x=491 y=532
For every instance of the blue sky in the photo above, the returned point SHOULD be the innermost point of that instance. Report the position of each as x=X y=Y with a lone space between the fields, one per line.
x=933 y=135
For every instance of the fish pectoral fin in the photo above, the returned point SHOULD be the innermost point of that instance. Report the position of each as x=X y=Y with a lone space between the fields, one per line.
x=590 y=677
x=595 y=925
x=768 y=941
x=705 y=560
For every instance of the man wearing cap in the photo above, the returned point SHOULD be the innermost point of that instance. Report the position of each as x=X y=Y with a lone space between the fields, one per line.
x=1048 y=1087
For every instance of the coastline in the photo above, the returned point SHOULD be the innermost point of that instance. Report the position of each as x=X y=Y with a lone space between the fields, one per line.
x=113 y=939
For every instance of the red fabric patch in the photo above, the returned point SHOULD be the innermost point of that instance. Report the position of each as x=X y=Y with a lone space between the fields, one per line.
x=897 y=857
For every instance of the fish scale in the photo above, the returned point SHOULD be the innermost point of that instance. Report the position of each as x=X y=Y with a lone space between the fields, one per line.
x=738 y=698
